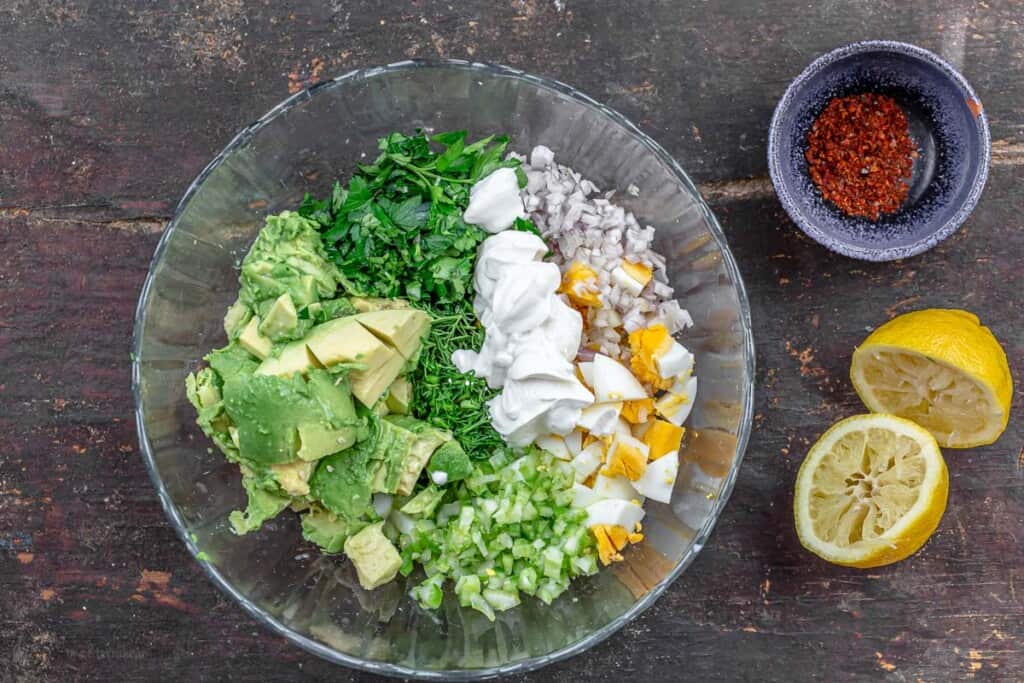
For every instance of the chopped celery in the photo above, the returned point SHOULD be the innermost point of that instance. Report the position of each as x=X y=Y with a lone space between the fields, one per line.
x=511 y=529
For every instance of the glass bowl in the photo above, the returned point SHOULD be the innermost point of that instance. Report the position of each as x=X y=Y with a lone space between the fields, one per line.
x=301 y=146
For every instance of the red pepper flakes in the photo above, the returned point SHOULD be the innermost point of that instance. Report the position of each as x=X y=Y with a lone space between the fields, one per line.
x=860 y=154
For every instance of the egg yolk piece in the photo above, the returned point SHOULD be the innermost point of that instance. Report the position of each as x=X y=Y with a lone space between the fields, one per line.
x=647 y=344
x=662 y=437
x=611 y=538
x=579 y=283
x=637 y=412
x=626 y=456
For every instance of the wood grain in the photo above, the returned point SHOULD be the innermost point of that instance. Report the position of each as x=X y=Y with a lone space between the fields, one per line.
x=107 y=110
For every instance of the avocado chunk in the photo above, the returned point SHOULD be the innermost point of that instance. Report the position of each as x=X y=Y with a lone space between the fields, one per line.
x=365 y=304
x=449 y=463
x=287 y=256
x=424 y=503
x=289 y=359
x=402 y=329
x=400 y=396
x=342 y=482
x=317 y=440
x=335 y=308
x=375 y=558
x=369 y=385
x=281 y=320
x=427 y=440
x=263 y=505
x=230 y=361
x=327 y=530
x=252 y=341
x=236 y=318
x=344 y=340
x=293 y=477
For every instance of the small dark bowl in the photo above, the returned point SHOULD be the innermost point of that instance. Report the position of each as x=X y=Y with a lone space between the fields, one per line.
x=946 y=121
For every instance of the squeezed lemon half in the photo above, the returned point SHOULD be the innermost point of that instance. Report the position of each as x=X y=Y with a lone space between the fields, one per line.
x=871 y=491
x=940 y=368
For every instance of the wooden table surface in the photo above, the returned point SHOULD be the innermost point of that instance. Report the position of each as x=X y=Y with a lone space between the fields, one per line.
x=108 y=110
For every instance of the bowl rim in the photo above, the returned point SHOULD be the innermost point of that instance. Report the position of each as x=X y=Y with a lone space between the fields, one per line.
x=826 y=239
x=383 y=668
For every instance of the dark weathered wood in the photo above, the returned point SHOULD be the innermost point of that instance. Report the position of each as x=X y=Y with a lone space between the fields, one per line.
x=107 y=110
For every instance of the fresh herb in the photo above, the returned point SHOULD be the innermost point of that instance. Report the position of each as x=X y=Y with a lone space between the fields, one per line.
x=448 y=398
x=396 y=231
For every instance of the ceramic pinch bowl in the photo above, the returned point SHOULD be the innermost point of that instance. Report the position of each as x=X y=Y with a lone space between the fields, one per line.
x=946 y=122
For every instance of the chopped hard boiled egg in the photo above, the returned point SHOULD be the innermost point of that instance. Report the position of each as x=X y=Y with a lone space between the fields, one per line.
x=583 y=496
x=600 y=418
x=579 y=283
x=674 y=362
x=613 y=382
x=587 y=462
x=611 y=539
x=632 y=277
x=613 y=487
x=555 y=445
x=574 y=442
x=647 y=345
x=662 y=437
x=627 y=456
x=624 y=513
x=676 y=405
x=586 y=372
x=659 y=478
x=637 y=412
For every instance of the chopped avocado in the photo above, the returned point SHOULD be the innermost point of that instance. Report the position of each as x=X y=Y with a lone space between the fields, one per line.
x=287 y=256
x=327 y=530
x=263 y=505
x=376 y=560
x=424 y=503
x=427 y=439
x=252 y=341
x=369 y=385
x=402 y=329
x=201 y=390
x=335 y=397
x=342 y=481
x=267 y=411
x=317 y=440
x=230 y=361
x=293 y=477
x=236 y=318
x=288 y=359
x=344 y=340
x=281 y=320
x=335 y=308
x=450 y=459
x=365 y=304
x=400 y=396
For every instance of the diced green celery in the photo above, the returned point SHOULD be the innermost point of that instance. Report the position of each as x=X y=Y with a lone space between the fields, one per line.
x=553 y=562
x=501 y=600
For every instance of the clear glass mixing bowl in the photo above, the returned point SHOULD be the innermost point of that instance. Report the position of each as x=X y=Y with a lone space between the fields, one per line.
x=302 y=146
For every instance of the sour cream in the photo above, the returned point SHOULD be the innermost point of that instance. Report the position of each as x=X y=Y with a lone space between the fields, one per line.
x=531 y=339
x=494 y=202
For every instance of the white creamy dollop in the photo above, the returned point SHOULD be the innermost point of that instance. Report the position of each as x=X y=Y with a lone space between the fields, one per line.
x=532 y=338
x=494 y=202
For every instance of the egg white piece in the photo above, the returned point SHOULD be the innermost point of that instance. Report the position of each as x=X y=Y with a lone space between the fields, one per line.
x=676 y=362
x=616 y=487
x=587 y=370
x=615 y=513
x=659 y=478
x=587 y=462
x=623 y=280
x=574 y=442
x=677 y=404
x=600 y=419
x=622 y=428
x=583 y=496
x=613 y=382
x=555 y=445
